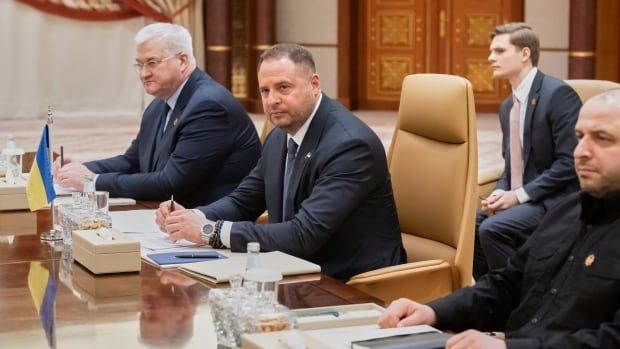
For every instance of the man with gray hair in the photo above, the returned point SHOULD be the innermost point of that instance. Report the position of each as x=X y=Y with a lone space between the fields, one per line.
x=195 y=140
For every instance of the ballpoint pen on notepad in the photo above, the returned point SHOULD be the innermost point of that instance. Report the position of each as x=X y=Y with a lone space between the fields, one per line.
x=197 y=256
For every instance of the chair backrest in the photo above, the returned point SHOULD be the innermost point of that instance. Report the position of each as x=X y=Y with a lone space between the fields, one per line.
x=588 y=88
x=434 y=168
x=267 y=127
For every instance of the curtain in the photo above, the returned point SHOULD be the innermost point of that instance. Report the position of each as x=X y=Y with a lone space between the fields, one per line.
x=79 y=68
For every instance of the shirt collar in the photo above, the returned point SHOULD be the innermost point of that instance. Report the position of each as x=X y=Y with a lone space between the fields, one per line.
x=299 y=136
x=599 y=209
x=523 y=90
x=172 y=101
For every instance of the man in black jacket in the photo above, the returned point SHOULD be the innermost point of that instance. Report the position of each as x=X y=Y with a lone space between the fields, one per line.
x=561 y=288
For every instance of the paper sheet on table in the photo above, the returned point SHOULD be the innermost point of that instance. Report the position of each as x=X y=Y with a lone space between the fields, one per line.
x=135 y=221
x=341 y=337
x=62 y=190
x=158 y=241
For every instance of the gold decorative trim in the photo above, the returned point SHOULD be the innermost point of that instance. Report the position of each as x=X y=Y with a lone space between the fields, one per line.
x=581 y=54
x=260 y=47
x=219 y=48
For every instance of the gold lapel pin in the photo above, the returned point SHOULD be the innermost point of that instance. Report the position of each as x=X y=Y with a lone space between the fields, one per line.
x=533 y=101
x=589 y=260
x=174 y=123
x=308 y=155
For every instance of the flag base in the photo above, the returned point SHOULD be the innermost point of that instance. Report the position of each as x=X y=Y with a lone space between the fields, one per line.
x=52 y=235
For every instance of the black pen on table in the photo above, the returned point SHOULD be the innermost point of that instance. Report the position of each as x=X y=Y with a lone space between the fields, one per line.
x=172 y=203
x=62 y=156
x=203 y=256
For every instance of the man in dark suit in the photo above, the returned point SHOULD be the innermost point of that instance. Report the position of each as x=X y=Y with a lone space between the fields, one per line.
x=323 y=178
x=195 y=140
x=537 y=123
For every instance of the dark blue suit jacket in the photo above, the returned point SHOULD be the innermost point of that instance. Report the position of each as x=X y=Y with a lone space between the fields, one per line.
x=209 y=146
x=344 y=215
x=548 y=140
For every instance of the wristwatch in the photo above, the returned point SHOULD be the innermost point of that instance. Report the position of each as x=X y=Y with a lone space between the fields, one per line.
x=208 y=233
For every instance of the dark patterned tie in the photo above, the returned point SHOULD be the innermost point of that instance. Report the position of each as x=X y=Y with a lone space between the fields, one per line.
x=163 y=126
x=291 y=150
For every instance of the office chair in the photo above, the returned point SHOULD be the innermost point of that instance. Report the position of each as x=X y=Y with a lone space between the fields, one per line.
x=586 y=88
x=433 y=164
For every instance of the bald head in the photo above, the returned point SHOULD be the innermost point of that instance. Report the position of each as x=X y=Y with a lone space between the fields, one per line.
x=598 y=149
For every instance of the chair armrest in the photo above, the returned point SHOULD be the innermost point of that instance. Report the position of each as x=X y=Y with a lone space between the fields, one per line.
x=263 y=219
x=421 y=281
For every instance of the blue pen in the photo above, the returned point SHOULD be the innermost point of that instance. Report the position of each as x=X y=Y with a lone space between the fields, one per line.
x=210 y=255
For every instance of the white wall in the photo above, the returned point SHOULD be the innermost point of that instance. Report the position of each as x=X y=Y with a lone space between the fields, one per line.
x=78 y=67
x=550 y=19
x=313 y=24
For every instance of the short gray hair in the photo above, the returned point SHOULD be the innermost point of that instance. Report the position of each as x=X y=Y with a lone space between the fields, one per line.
x=175 y=38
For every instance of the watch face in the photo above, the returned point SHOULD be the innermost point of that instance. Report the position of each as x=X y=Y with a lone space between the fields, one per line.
x=207 y=228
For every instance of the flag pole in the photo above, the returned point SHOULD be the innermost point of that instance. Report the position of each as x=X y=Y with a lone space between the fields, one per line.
x=53 y=234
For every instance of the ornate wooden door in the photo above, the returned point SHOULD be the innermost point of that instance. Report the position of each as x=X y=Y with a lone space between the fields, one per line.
x=401 y=37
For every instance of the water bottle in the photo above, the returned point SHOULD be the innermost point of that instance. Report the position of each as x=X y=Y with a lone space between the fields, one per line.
x=253 y=252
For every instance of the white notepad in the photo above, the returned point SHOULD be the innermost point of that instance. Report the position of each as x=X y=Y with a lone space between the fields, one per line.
x=221 y=270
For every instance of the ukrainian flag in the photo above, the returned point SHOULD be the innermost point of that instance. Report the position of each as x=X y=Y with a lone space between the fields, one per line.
x=40 y=187
x=43 y=291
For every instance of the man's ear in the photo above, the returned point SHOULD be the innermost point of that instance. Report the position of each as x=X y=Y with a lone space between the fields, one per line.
x=184 y=61
x=315 y=82
x=527 y=53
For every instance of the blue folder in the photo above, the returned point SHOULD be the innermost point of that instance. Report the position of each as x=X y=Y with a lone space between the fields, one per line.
x=185 y=257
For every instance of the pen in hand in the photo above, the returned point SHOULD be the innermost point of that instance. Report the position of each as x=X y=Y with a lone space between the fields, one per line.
x=172 y=203
x=62 y=156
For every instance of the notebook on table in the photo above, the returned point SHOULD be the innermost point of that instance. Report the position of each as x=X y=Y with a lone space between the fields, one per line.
x=218 y=271
x=179 y=257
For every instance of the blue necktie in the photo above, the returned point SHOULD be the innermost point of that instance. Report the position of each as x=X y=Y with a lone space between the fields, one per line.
x=162 y=128
x=291 y=150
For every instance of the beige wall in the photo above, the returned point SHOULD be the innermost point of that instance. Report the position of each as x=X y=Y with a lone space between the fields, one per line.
x=550 y=19
x=313 y=24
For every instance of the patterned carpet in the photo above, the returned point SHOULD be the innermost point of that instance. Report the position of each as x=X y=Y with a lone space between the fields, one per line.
x=97 y=138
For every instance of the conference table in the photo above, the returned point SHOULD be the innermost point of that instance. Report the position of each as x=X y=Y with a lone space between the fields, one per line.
x=46 y=300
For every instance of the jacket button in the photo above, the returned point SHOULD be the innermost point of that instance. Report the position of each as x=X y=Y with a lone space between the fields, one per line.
x=534 y=320
x=571 y=258
x=553 y=291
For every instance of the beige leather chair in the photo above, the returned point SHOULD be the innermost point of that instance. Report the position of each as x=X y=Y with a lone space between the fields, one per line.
x=267 y=127
x=433 y=163
x=588 y=88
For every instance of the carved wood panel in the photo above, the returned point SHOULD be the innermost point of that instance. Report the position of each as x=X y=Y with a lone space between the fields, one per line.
x=401 y=37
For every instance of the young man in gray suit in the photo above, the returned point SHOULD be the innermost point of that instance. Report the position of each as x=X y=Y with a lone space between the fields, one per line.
x=323 y=178
x=537 y=123
x=195 y=140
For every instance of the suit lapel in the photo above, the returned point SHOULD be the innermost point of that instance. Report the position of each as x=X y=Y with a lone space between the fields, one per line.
x=274 y=156
x=163 y=146
x=532 y=103
x=306 y=150
x=152 y=140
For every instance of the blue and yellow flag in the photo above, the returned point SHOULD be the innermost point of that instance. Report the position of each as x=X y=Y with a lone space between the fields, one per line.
x=40 y=187
x=43 y=291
